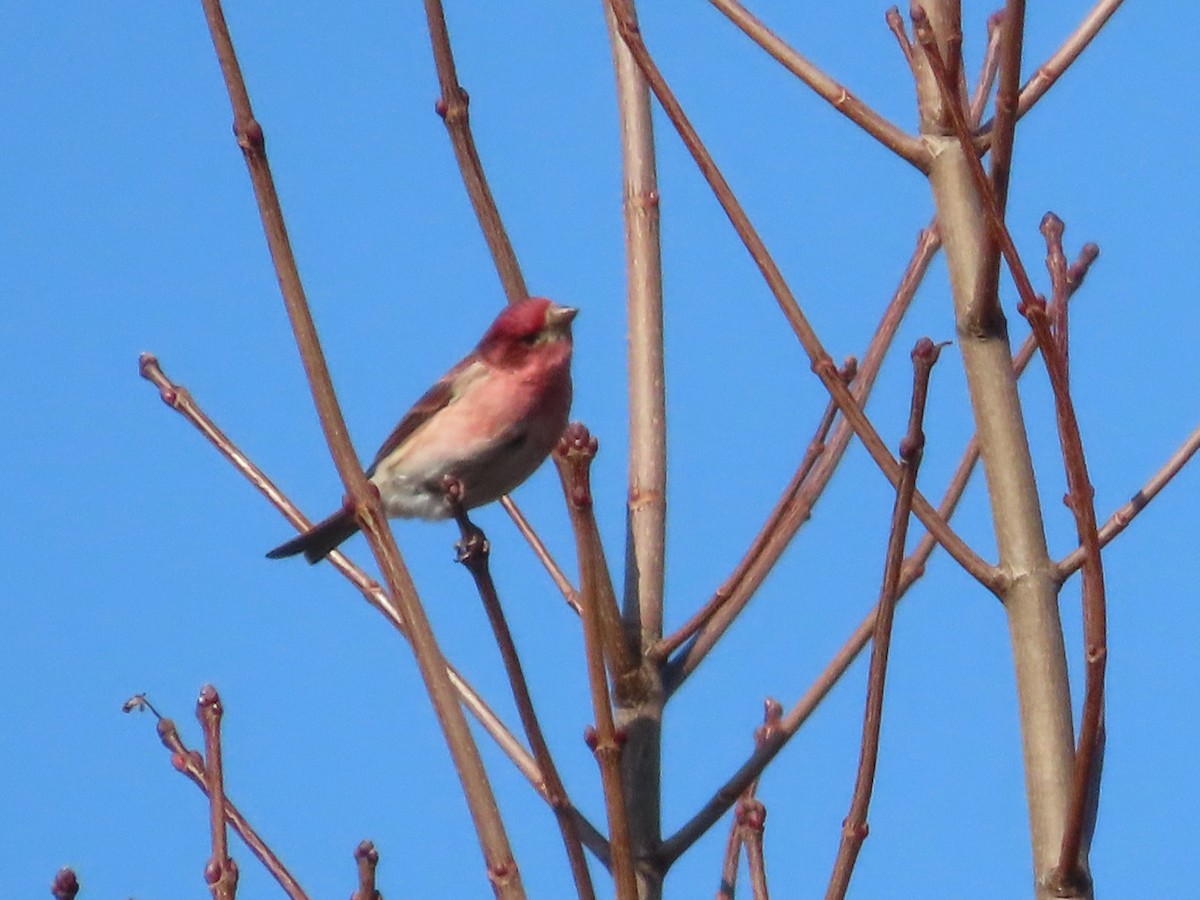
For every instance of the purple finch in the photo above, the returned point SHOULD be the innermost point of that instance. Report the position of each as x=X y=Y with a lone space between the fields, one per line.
x=488 y=423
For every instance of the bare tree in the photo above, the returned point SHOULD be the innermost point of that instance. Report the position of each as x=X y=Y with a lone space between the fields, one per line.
x=635 y=665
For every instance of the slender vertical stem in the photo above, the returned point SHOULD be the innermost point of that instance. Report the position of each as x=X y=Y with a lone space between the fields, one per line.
x=501 y=867
x=639 y=713
x=452 y=106
x=808 y=484
x=854 y=829
x=1012 y=31
x=904 y=145
x=366 y=860
x=221 y=872
x=573 y=458
x=473 y=552
x=822 y=364
x=1030 y=596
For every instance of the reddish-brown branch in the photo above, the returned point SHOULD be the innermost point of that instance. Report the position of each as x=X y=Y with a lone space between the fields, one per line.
x=452 y=106
x=988 y=69
x=805 y=488
x=191 y=764
x=573 y=458
x=1012 y=28
x=854 y=829
x=822 y=364
x=366 y=859
x=621 y=653
x=1072 y=864
x=789 y=725
x=749 y=820
x=727 y=889
x=220 y=872
x=1052 y=69
x=541 y=552
x=501 y=867
x=1124 y=515
x=903 y=144
x=180 y=399
x=723 y=599
x=473 y=552
x=752 y=817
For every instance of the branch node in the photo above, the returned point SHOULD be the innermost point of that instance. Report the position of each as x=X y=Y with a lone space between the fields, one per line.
x=577 y=449
x=65 y=884
x=895 y=23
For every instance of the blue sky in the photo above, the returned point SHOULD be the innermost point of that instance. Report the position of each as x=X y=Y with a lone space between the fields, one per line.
x=134 y=553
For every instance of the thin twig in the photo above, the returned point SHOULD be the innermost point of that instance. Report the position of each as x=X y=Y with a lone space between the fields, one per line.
x=854 y=829
x=732 y=596
x=988 y=69
x=804 y=490
x=366 y=859
x=1052 y=69
x=749 y=819
x=473 y=552
x=727 y=889
x=573 y=458
x=822 y=364
x=722 y=599
x=190 y=763
x=752 y=817
x=452 y=107
x=1012 y=28
x=541 y=552
x=900 y=142
x=1124 y=515
x=621 y=653
x=220 y=872
x=913 y=569
x=751 y=814
x=1072 y=864
x=501 y=867
x=181 y=400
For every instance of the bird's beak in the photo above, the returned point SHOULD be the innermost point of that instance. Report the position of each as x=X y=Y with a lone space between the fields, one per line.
x=560 y=316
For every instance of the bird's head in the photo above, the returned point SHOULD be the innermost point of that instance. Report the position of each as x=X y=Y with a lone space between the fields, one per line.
x=531 y=328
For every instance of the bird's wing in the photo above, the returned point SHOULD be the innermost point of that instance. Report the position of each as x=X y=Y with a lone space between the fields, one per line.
x=444 y=392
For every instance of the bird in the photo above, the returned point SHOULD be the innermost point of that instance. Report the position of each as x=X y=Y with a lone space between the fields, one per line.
x=488 y=424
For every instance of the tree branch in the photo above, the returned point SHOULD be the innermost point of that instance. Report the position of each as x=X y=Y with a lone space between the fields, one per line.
x=573 y=457
x=822 y=365
x=191 y=764
x=501 y=867
x=473 y=552
x=452 y=106
x=1124 y=516
x=854 y=829
x=966 y=211
x=220 y=872
x=906 y=146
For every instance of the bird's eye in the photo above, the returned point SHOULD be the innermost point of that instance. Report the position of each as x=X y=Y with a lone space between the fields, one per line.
x=530 y=339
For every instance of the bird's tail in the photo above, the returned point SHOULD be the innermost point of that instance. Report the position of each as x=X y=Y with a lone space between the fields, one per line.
x=320 y=540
